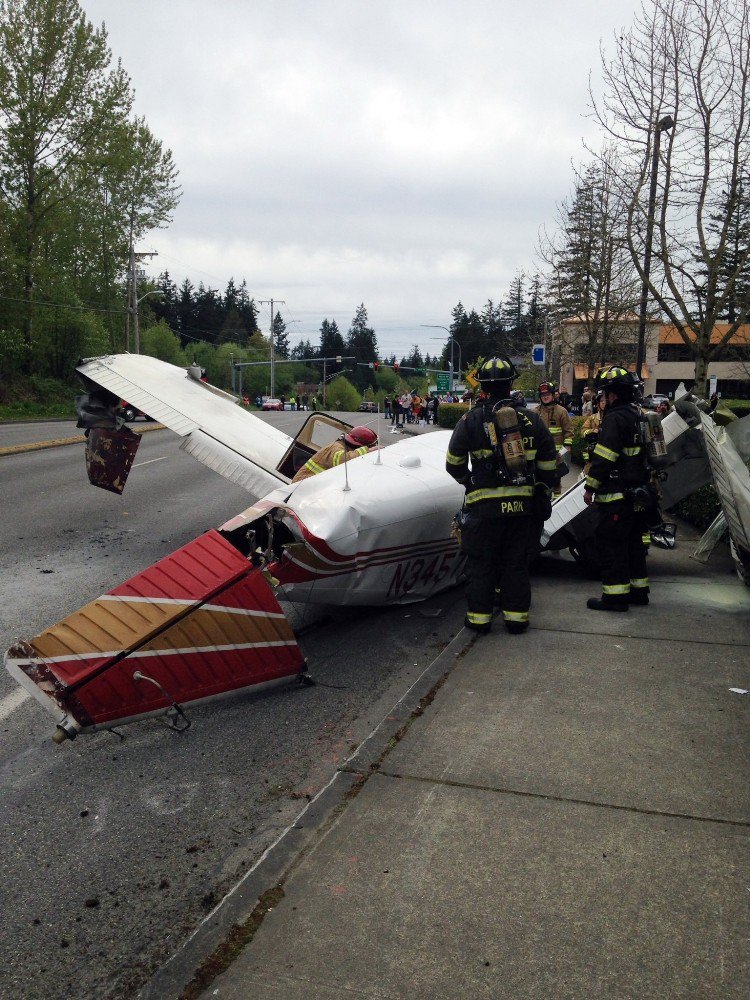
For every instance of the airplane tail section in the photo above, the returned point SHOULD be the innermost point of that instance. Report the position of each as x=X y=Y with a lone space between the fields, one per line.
x=199 y=624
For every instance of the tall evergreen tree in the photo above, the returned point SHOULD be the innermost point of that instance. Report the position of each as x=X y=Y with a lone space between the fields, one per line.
x=362 y=345
x=514 y=313
x=280 y=337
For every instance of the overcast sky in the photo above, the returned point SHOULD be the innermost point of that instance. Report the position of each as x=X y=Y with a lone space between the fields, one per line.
x=400 y=153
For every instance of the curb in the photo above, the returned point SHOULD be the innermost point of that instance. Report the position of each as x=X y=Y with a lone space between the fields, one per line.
x=279 y=860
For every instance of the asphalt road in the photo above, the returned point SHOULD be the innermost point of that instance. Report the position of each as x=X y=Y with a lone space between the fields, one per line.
x=113 y=850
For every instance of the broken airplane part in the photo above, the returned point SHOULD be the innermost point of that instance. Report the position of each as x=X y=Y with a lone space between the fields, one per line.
x=205 y=621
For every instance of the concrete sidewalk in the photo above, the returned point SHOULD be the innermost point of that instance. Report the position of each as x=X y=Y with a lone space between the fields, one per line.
x=567 y=816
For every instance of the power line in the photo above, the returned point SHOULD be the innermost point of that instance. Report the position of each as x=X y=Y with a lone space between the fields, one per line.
x=63 y=305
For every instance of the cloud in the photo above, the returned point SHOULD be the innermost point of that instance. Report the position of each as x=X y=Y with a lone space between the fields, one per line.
x=404 y=154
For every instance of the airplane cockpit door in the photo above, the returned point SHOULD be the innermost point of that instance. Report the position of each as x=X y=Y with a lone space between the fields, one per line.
x=319 y=430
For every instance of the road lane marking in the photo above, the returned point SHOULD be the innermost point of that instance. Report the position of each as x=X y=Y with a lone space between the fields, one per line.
x=138 y=464
x=11 y=702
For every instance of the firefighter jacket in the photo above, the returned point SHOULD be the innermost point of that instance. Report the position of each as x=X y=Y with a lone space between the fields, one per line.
x=618 y=462
x=333 y=454
x=557 y=419
x=590 y=433
x=491 y=491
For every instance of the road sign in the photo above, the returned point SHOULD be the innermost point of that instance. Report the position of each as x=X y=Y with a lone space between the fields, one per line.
x=443 y=382
x=537 y=354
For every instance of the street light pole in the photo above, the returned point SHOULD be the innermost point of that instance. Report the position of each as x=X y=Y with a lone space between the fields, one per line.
x=451 y=338
x=663 y=125
x=279 y=302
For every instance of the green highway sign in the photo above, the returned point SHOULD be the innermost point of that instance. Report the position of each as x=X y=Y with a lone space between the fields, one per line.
x=443 y=382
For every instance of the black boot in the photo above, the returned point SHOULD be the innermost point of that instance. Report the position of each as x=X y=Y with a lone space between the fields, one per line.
x=516 y=628
x=599 y=604
x=638 y=596
x=481 y=627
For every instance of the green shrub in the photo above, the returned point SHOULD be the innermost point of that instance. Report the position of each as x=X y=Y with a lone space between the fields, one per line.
x=739 y=406
x=449 y=414
x=700 y=508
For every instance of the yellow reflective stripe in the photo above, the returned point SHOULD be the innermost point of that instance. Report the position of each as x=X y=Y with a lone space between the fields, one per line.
x=568 y=440
x=642 y=582
x=452 y=459
x=314 y=467
x=616 y=588
x=632 y=451
x=609 y=497
x=493 y=492
x=646 y=539
x=607 y=453
x=592 y=483
x=555 y=431
x=546 y=466
x=482 y=453
x=515 y=616
x=478 y=619
x=530 y=454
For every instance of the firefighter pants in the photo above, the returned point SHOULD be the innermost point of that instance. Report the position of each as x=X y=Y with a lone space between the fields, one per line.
x=619 y=536
x=497 y=560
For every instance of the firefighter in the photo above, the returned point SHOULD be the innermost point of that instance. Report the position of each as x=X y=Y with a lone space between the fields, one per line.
x=354 y=443
x=505 y=458
x=557 y=419
x=619 y=479
x=590 y=429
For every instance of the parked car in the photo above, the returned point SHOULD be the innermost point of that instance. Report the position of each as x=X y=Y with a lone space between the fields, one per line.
x=368 y=407
x=272 y=404
x=131 y=412
x=651 y=402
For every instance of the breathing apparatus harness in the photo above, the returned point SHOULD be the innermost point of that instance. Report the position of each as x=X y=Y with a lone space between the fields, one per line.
x=506 y=463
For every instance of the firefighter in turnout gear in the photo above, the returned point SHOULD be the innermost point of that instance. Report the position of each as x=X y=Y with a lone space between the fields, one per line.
x=505 y=458
x=619 y=479
x=354 y=443
x=557 y=419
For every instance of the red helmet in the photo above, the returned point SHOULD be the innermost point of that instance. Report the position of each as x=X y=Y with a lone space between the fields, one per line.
x=359 y=436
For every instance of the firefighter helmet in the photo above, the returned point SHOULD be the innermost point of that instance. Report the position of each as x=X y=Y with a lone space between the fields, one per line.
x=497 y=369
x=549 y=387
x=617 y=378
x=359 y=436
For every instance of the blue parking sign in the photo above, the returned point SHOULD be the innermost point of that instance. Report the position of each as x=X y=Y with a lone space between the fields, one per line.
x=537 y=354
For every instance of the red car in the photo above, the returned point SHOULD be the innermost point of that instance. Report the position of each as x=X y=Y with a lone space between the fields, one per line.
x=131 y=412
x=272 y=404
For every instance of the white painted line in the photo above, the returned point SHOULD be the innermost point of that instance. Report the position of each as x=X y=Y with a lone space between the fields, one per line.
x=12 y=701
x=138 y=464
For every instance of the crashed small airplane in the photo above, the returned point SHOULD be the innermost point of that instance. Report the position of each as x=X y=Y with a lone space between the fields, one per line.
x=206 y=621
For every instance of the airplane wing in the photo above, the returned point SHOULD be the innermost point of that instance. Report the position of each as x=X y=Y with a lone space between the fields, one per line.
x=214 y=429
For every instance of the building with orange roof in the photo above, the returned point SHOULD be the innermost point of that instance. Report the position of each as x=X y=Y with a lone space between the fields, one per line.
x=668 y=361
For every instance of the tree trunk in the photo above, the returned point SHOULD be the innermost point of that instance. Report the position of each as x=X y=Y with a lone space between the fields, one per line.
x=701 y=374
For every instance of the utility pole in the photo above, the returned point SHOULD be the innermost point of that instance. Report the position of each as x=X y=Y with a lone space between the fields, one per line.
x=133 y=299
x=263 y=302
